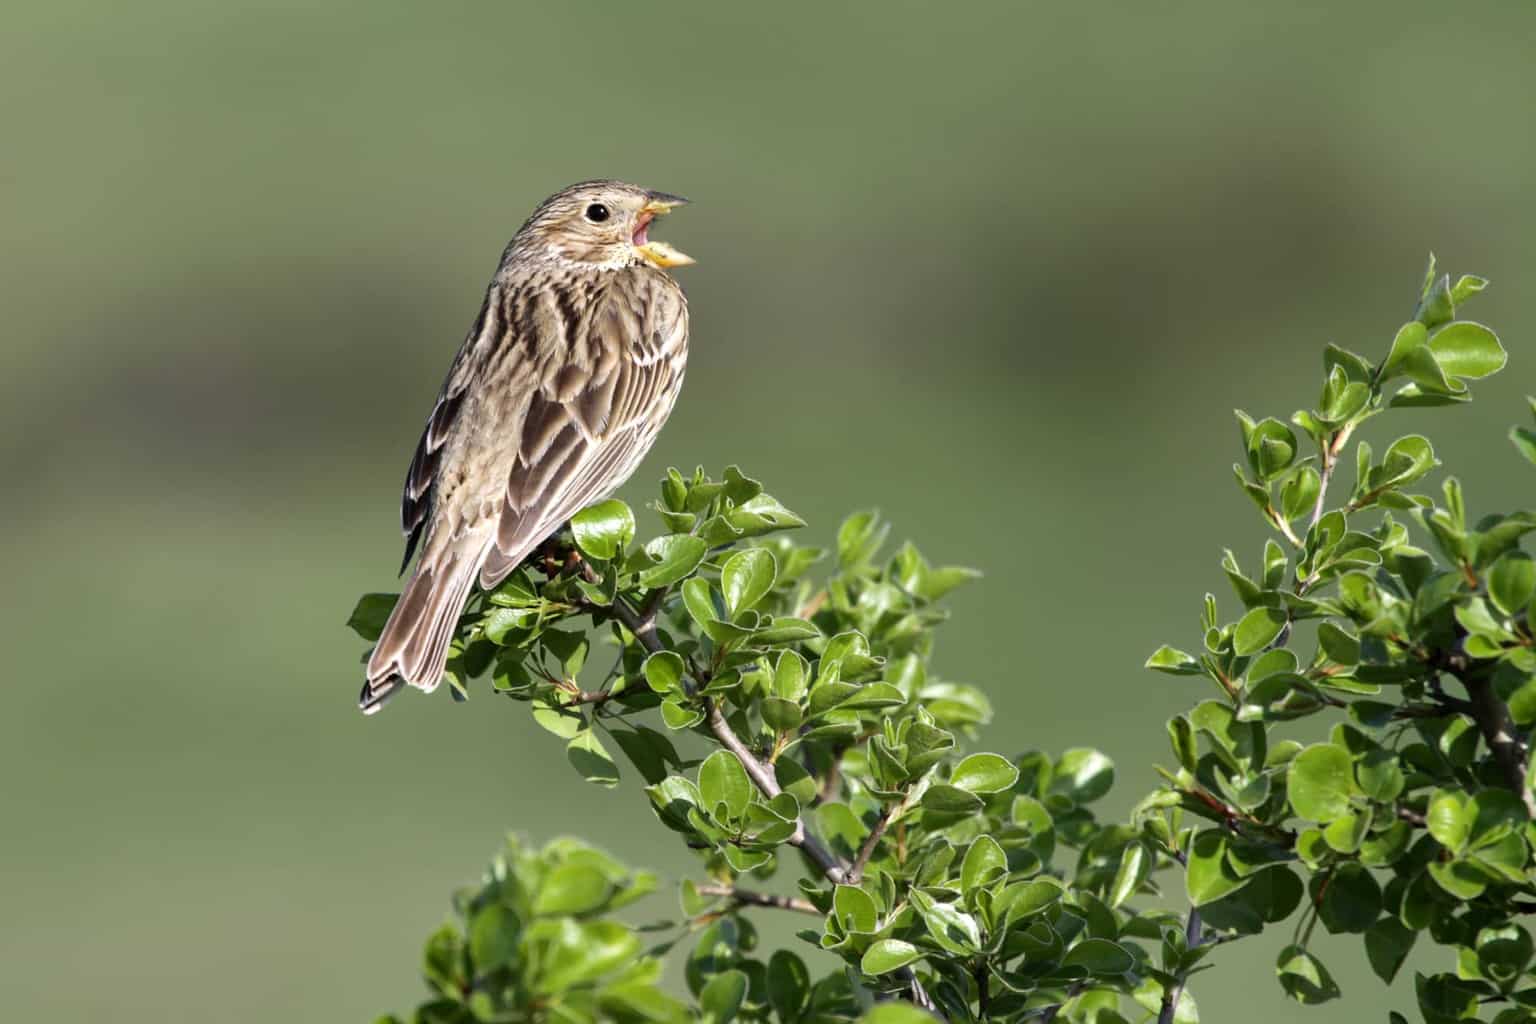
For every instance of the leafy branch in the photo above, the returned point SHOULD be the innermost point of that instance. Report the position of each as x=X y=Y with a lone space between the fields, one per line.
x=976 y=886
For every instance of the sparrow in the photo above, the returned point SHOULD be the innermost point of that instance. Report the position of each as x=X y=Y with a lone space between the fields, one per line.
x=560 y=388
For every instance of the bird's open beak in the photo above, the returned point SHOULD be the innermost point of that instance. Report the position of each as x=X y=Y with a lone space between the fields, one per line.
x=659 y=253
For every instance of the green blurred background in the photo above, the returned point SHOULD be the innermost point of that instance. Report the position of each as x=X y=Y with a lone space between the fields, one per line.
x=1002 y=268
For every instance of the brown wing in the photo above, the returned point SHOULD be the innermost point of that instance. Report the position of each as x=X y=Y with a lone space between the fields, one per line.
x=593 y=418
x=421 y=477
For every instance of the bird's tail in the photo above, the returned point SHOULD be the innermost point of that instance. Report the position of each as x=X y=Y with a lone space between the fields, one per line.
x=413 y=647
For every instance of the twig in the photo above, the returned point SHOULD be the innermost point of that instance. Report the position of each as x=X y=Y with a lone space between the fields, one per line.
x=574 y=697
x=1279 y=523
x=1491 y=714
x=751 y=898
x=1172 y=993
x=1192 y=927
x=827 y=789
x=1498 y=729
x=643 y=628
x=760 y=774
x=856 y=873
x=1330 y=460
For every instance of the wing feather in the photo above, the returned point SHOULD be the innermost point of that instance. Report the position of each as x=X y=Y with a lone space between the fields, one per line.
x=426 y=463
x=585 y=432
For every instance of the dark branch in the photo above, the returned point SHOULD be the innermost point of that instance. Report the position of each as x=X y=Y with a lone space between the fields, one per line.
x=749 y=898
x=761 y=774
x=1498 y=729
x=1192 y=928
x=856 y=873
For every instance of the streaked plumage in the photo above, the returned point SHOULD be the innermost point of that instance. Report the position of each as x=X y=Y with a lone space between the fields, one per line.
x=558 y=391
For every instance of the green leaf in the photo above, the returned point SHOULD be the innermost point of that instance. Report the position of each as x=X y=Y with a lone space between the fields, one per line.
x=1424 y=370
x=1270 y=894
x=1135 y=866
x=1458 y=878
x=602 y=530
x=984 y=864
x=1524 y=441
x=760 y=515
x=1319 y=781
x=947 y=799
x=859 y=538
x=572 y=888
x=1381 y=775
x=1512 y=582
x=1445 y=997
x=746 y=578
x=1345 y=833
x=1181 y=735
x=1341 y=646
x=677 y=715
x=950 y=926
x=984 y=773
x=795 y=780
x=789 y=676
x=896 y=1013
x=586 y=754
x=789 y=984
x=721 y=997
x=673 y=798
x=1304 y=978
x=1410 y=336
x=673 y=557
x=1208 y=876
x=1271 y=449
x=562 y=721
x=1099 y=957
x=855 y=909
x=1449 y=819
x=1025 y=899
x=1387 y=944
x=888 y=955
x=784 y=629
x=493 y=935
x=1082 y=773
x=1299 y=494
x=369 y=615
x=1174 y=662
x=1257 y=630
x=698 y=598
x=723 y=780
x=1467 y=349
x=781 y=715
x=664 y=671
x=1386 y=847
x=1408 y=459
x=649 y=751
x=1348 y=899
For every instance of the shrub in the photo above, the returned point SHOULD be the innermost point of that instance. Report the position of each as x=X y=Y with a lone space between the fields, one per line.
x=785 y=722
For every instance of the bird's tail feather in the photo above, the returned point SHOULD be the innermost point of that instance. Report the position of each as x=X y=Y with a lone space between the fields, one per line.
x=413 y=647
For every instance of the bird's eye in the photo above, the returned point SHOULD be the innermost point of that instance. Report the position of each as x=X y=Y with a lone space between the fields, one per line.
x=597 y=213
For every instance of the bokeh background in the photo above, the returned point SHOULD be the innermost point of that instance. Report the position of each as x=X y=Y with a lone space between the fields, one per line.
x=1003 y=269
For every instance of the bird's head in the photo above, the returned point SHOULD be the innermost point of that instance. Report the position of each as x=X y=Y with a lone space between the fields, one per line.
x=600 y=224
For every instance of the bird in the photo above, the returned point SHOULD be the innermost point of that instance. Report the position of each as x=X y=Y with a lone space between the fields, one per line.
x=559 y=389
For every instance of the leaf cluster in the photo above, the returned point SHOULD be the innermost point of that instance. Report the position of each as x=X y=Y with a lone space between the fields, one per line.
x=1362 y=763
